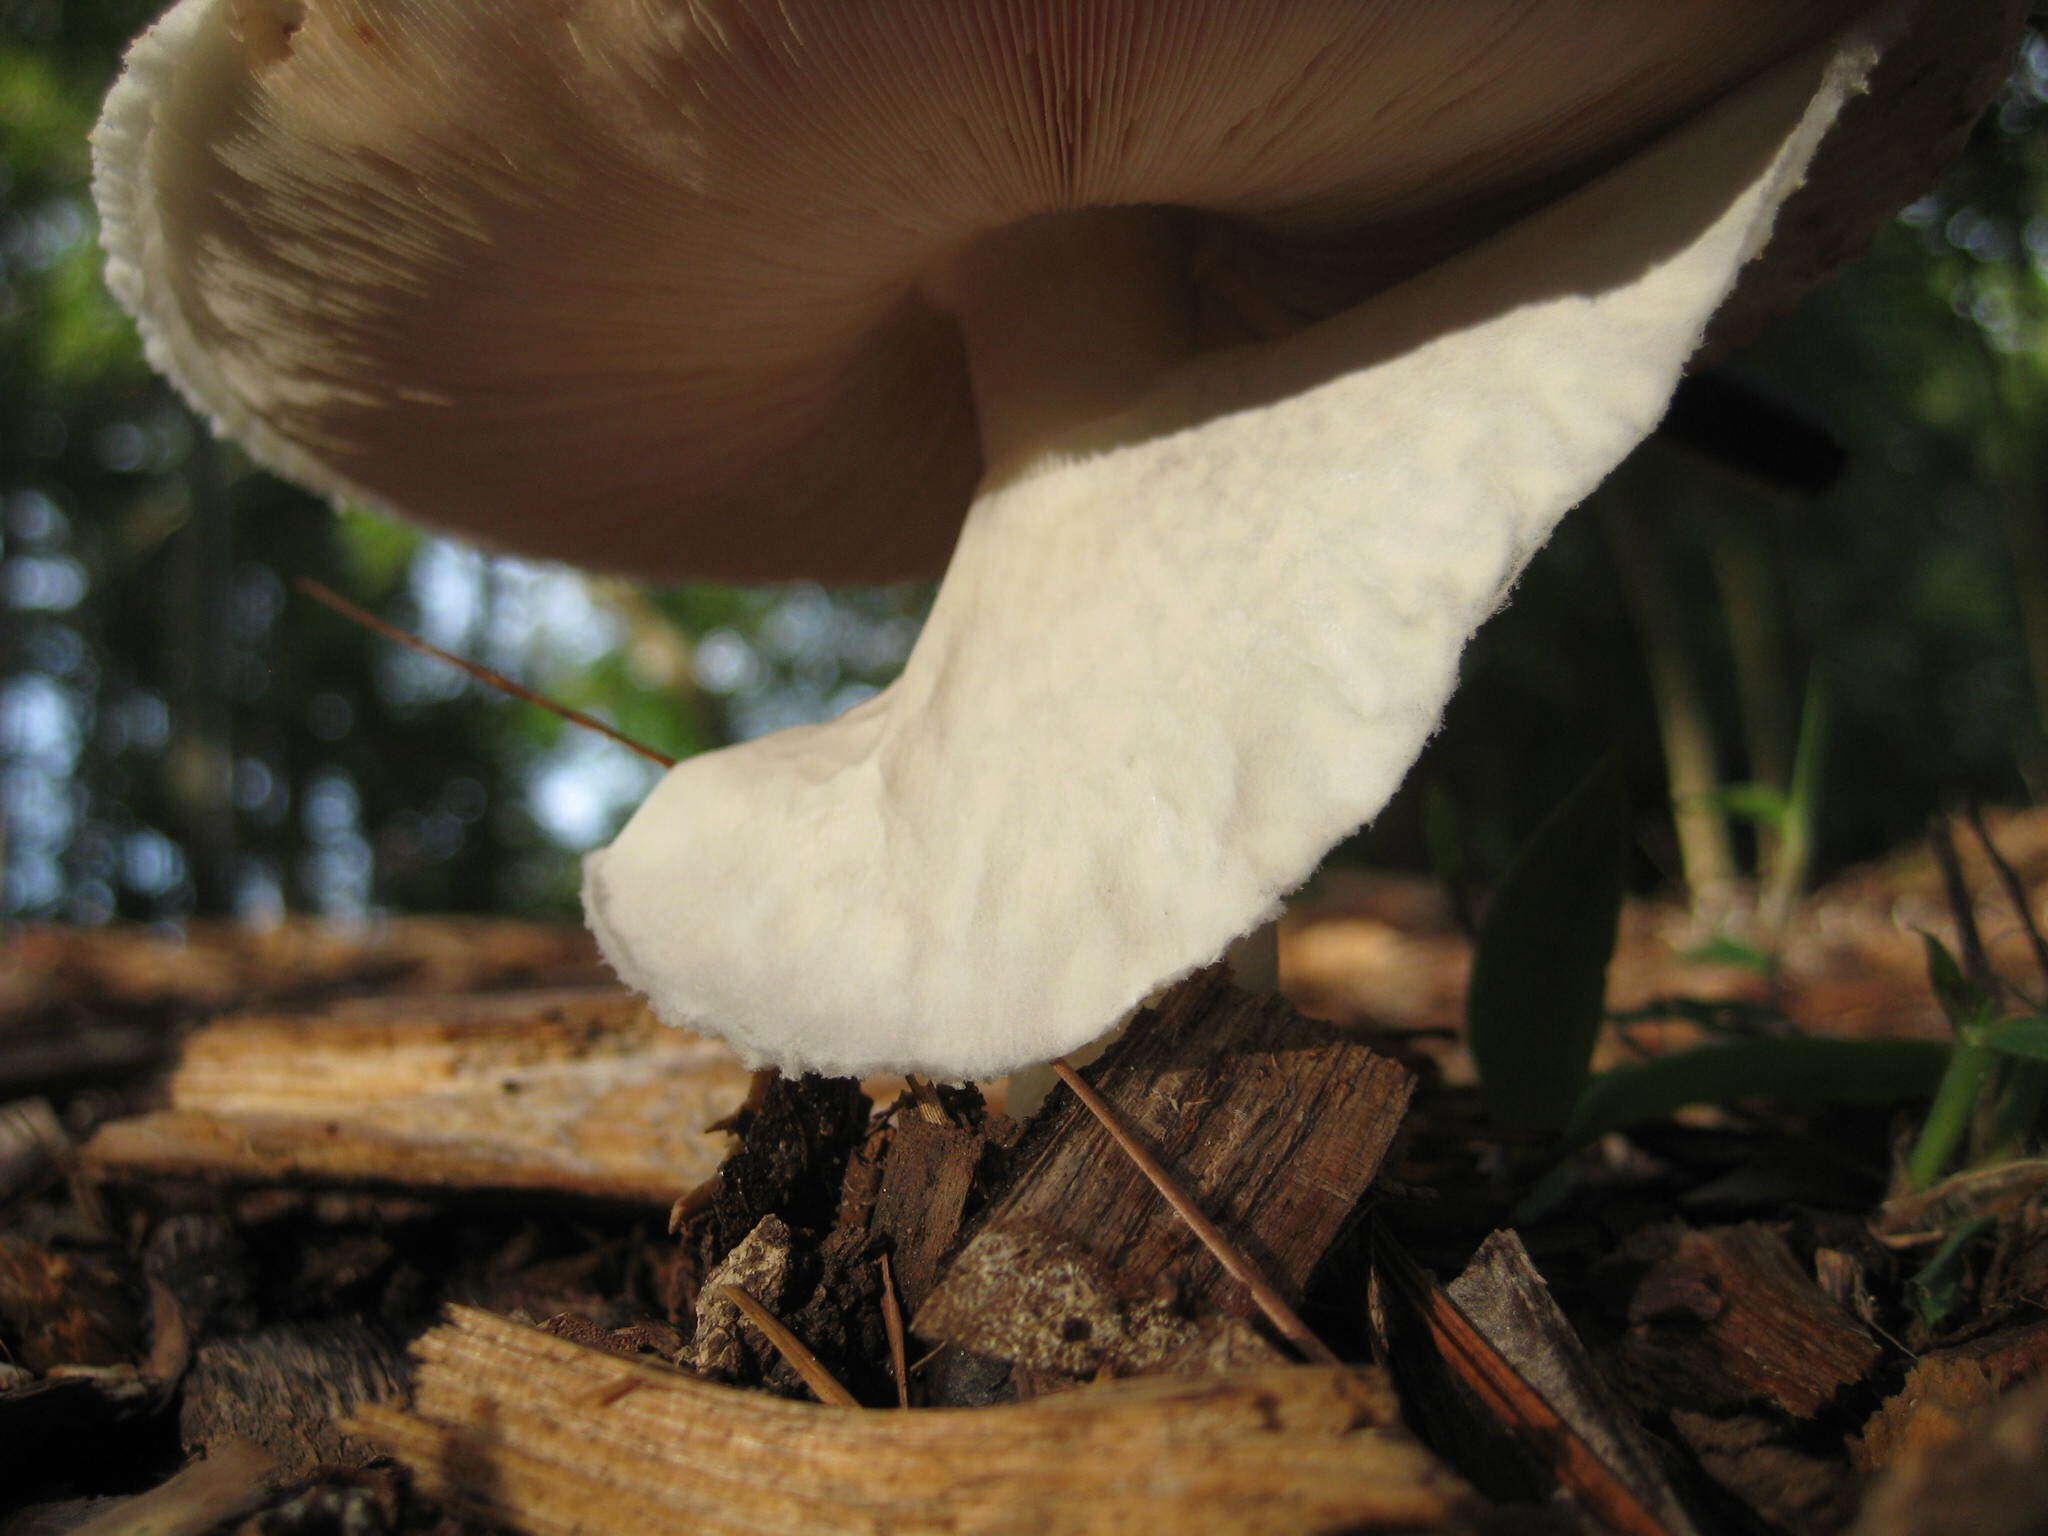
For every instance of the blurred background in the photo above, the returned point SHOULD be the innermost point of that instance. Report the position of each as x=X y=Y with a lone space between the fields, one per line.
x=1798 y=656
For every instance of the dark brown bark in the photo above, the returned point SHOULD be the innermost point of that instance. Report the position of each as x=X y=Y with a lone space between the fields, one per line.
x=1276 y=1124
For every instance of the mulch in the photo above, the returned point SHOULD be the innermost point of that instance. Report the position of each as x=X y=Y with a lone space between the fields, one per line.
x=211 y=1319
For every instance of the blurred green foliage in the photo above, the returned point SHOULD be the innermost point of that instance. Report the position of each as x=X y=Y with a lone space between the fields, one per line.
x=1909 y=603
x=180 y=733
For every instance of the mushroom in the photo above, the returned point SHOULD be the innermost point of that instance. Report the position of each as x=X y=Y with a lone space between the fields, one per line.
x=1240 y=354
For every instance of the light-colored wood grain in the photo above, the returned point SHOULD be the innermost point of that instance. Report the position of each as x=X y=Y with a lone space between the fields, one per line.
x=580 y=1091
x=550 y=1438
x=232 y=1481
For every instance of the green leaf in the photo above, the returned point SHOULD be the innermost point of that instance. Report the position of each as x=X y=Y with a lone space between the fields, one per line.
x=1960 y=999
x=1937 y=1289
x=1442 y=837
x=1736 y=1017
x=1759 y=804
x=1724 y=950
x=1794 y=1071
x=2026 y=1037
x=1802 y=797
x=1539 y=976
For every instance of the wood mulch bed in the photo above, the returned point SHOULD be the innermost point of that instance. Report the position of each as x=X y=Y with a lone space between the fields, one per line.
x=429 y=1229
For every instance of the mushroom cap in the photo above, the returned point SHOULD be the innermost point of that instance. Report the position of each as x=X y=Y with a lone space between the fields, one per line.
x=649 y=287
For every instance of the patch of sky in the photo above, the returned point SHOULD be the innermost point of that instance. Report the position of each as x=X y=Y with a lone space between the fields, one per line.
x=585 y=788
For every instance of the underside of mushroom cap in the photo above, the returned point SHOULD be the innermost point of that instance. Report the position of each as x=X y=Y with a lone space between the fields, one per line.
x=643 y=286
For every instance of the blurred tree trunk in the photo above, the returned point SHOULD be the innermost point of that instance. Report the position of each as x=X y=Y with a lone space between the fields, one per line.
x=1706 y=851
x=2017 y=476
x=200 y=763
x=1746 y=576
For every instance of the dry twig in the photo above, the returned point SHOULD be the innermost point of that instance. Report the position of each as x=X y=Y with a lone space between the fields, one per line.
x=892 y=1324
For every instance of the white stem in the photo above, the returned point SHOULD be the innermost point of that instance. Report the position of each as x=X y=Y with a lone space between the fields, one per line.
x=1254 y=958
x=1068 y=319
x=1182 y=653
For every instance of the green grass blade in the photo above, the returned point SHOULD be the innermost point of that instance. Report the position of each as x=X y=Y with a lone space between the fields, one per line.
x=2026 y=1037
x=1798 y=1071
x=1539 y=975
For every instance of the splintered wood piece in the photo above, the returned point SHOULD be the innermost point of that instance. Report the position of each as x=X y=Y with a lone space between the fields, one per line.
x=286 y=1388
x=1038 y=1300
x=926 y=1179
x=511 y=1426
x=1991 y=1480
x=1740 y=1351
x=1275 y=1125
x=1240 y=1266
x=795 y=1138
x=759 y=1265
x=578 y=1092
x=1725 y=1318
x=1506 y=1299
x=1942 y=1396
x=235 y=1480
x=1552 y=1424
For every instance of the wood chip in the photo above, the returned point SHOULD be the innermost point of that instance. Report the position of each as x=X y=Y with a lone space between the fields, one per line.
x=287 y=1388
x=237 y=1479
x=65 y=1308
x=33 y=1147
x=1990 y=1481
x=1039 y=1300
x=574 y=1092
x=1509 y=1392
x=1726 y=1318
x=795 y=1137
x=1784 y=1484
x=760 y=1266
x=794 y=1352
x=1944 y=1394
x=1276 y=1124
x=926 y=1179
x=1506 y=1299
x=508 y=1426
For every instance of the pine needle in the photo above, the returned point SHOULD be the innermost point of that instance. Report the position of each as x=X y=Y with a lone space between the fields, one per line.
x=788 y=1345
x=1233 y=1258
x=477 y=670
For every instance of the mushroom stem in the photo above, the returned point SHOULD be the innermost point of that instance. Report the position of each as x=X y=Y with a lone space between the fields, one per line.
x=1180 y=653
x=1067 y=319
x=1254 y=958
